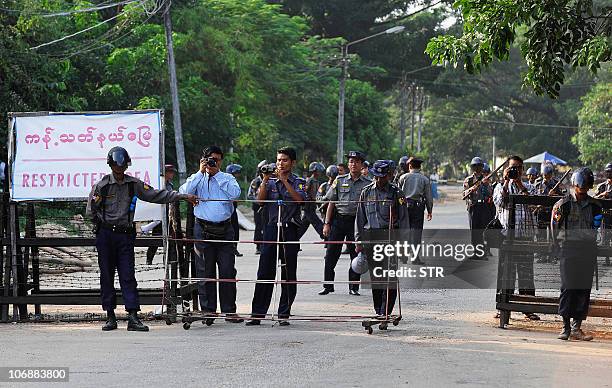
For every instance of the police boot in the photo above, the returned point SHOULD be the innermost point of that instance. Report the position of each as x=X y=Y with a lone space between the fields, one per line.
x=567 y=329
x=111 y=321
x=577 y=332
x=134 y=323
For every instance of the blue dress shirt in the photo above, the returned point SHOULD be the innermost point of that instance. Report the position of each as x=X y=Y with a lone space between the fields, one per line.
x=220 y=186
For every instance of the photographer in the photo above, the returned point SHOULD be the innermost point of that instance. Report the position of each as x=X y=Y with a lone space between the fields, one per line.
x=287 y=191
x=213 y=222
x=524 y=228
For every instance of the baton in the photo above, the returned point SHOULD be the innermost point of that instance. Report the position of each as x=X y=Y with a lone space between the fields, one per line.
x=470 y=189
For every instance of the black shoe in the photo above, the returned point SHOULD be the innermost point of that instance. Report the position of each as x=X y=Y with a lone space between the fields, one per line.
x=232 y=318
x=111 y=322
x=354 y=292
x=134 y=323
x=325 y=291
x=257 y=251
x=283 y=323
x=564 y=335
x=253 y=322
x=237 y=254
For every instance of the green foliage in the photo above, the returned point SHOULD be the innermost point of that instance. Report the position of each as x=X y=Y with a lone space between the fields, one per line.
x=557 y=33
x=594 y=137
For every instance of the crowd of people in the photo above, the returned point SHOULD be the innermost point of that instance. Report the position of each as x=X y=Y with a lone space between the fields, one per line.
x=356 y=200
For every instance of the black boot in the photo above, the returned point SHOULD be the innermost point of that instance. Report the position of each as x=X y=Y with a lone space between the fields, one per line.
x=567 y=330
x=111 y=321
x=134 y=323
x=577 y=332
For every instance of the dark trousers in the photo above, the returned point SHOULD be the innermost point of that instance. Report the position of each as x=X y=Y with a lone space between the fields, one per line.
x=151 y=251
x=384 y=288
x=258 y=214
x=479 y=218
x=287 y=255
x=209 y=257
x=311 y=218
x=416 y=217
x=116 y=252
x=235 y=226
x=520 y=265
x=577 y=265
x=343 y=227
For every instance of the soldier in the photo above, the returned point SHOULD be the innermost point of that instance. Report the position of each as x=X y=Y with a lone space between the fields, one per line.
x=604 y=191
x=402 y=169
x=381 y=208
x=111 y=204
x=290 y=190
x=478 y=200
x=574 y=222
x=340 y=219
x=235 y=170
x=544 y=186
x=417 y=190
x=315 y=169
x=365 y=170
x=331 y=172
x=258 y=214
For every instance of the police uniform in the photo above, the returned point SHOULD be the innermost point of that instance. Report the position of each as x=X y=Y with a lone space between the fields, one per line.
x=289 y=223
x=346 y=190
x=379 y=210
x=417 y=191
x=112 y=205
x=574 y=227
x=543 y=214
x=323 y=188
x=479 y=204
x=310 y=209
x=258 y=214
x=604 y=191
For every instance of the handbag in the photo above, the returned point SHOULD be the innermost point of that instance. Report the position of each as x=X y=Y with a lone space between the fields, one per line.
x=492 y=235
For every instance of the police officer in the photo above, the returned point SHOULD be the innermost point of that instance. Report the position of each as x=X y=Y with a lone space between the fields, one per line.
x=532 y=175
x=235 y=170
x=604 y=191
x=290 y=189
x=213 y=222
x=258 y=214
x=111 y=204
x=478 y=203
x=315 y=169
x=381 y=207
x=402 y=168
x=575 y=219
x=331 y=172
x=544 y=186
x=365 y=170
x=417 y=191
x=340 y=219
x=169 y=173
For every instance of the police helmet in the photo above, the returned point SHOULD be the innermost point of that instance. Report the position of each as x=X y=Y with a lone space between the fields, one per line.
x=366 y=164
x=360 y=263
x=608 y=167
x=391 y=164
x=332 y=171
x=316 y=166
x=583 y=178
x=403 y=161
x=546 y=169
x=118 y=156
x=233 y=169
x=486 y=168
x=532 y=171
x=476 y=161
x=261 y=164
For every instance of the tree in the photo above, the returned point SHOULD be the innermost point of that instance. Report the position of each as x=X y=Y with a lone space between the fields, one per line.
x=552 y=34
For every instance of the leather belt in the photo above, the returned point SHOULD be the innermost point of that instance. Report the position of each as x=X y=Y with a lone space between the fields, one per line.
x=118 y=228
x=211 y=223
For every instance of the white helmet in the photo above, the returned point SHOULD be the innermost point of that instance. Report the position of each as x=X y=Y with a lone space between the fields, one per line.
x=360 y=263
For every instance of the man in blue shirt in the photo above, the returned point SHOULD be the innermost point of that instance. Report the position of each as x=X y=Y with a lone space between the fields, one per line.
x=213 y=222
x=289 y=190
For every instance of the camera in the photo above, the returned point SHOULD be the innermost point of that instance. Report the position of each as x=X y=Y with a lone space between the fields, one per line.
x=211 y=162
x=268 y=168
x=513 y=173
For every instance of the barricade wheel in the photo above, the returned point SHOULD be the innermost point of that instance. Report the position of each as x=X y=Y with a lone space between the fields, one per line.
x=168 y=322
x=383 y=326
x=186 y=325
x=369 y=329
x=209 y=321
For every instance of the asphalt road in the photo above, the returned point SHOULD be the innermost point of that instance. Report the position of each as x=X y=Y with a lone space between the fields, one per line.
x=446 y=338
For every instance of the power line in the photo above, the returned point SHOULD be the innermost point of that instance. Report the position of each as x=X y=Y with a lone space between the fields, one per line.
x=555 y=126
x=66 y=13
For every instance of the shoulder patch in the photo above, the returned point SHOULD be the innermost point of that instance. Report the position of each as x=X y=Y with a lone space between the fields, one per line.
x=146 y=187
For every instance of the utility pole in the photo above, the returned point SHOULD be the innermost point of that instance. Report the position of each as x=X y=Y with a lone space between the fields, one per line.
x=421 y=108
x=176 y=108
x=412 y=108
x=341 y=98
x=403 y=101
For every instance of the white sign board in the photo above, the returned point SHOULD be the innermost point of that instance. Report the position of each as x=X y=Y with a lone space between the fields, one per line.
x=61 y=156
